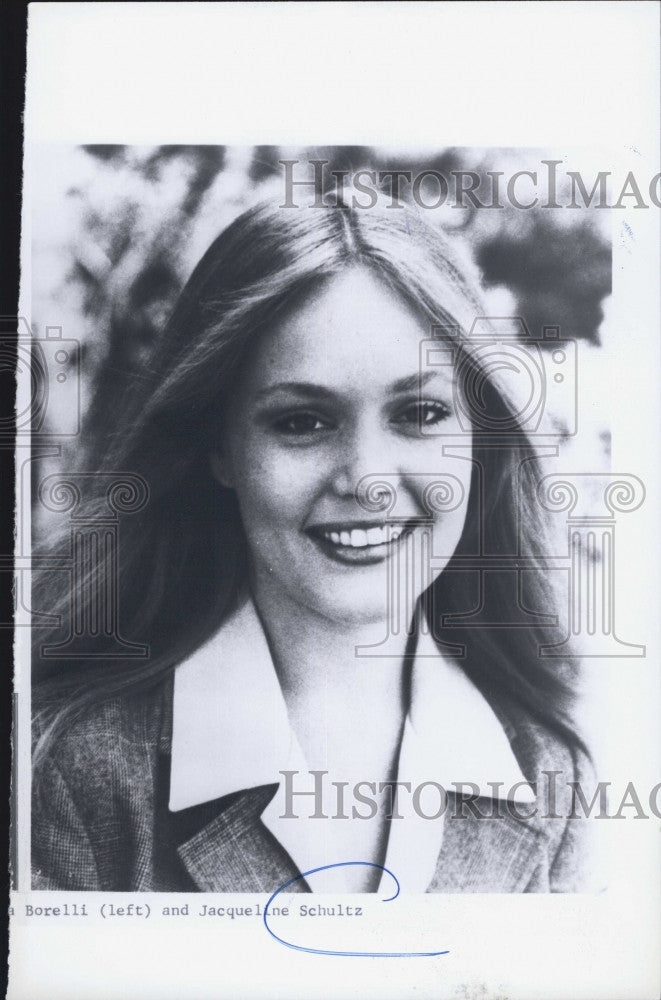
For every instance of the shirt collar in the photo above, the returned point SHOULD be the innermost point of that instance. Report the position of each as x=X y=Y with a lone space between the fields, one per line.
x=231 y=729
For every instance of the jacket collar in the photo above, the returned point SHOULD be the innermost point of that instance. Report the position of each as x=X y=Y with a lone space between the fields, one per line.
x=231 y=734
x=230 y=728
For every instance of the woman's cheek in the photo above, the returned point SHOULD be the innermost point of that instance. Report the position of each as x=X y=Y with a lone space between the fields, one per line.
x=285 y=485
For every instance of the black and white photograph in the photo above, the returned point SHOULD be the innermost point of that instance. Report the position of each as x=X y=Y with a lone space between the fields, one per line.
x=328 y=513
x=306 y=582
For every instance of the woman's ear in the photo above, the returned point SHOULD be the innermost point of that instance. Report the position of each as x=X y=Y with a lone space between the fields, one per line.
x=220 y=470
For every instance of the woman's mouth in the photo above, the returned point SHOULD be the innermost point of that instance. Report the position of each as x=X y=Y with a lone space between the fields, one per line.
x=364 y=544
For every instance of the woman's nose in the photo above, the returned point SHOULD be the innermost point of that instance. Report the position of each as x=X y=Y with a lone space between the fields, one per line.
x=362 y=453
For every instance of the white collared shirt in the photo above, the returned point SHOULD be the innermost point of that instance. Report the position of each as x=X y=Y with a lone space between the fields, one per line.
x=231 y=731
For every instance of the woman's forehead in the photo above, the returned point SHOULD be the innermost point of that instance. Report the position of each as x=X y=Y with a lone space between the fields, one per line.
x=354 y=326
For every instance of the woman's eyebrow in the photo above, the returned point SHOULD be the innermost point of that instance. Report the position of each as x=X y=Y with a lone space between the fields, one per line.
x=310 y=389
x=419 y=379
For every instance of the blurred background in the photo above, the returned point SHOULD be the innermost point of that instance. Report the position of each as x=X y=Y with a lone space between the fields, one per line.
x=116 y=231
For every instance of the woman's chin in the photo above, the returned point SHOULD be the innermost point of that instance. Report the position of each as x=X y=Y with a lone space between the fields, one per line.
x=353 y=612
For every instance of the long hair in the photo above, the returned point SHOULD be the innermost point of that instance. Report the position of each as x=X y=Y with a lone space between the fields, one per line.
x=182 y=559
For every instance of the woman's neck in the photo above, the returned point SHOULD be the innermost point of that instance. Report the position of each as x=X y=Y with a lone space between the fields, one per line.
x=309 y=649
x=336 y=699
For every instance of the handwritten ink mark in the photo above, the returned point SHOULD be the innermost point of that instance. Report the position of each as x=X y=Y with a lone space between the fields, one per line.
x=345 y=954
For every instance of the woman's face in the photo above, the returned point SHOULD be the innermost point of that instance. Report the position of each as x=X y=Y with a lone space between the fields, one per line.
x=332 y=394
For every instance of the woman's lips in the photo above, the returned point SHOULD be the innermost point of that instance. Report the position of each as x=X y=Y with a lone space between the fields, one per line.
x=359 y=545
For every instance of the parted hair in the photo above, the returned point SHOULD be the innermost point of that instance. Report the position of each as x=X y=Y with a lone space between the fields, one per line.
x=182 y=559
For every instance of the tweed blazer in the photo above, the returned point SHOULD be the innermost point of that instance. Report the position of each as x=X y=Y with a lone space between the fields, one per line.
x=101 y=819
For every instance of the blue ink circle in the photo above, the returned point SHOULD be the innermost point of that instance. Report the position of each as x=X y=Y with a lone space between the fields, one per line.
x=345 y=954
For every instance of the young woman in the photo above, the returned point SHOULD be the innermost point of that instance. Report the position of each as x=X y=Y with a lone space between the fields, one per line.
x=322 y=504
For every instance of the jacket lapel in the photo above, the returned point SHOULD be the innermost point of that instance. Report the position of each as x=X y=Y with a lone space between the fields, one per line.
x=501 y=854
x=505 y=854
x=234 y=852
x=487 y=855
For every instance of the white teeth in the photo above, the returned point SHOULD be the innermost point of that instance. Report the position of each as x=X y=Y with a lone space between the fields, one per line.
x=360 y=538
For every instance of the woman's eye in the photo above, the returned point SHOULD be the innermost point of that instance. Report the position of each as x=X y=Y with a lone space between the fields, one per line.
x=425 y=414
x=301 y=423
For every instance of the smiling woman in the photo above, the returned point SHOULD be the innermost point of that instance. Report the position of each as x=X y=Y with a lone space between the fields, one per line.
x=265 y=570
x=331 y=394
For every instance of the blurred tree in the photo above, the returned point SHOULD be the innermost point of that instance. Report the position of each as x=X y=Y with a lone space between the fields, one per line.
x=560 y=276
